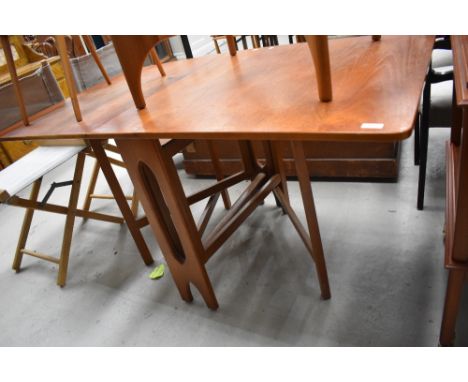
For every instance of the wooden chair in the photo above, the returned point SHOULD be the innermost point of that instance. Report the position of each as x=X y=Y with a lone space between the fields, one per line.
x=31 y=169
x=254 y=39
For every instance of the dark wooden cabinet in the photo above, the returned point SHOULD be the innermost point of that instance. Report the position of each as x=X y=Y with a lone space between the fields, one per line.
x=333 y=160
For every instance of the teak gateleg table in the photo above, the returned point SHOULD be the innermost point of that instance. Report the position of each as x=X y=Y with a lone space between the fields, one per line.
x=266 y=95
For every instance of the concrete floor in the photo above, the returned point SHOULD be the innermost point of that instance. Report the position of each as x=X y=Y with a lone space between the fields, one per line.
x=385 y=263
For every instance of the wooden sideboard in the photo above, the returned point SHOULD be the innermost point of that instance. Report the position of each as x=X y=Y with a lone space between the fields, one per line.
x=456 y=208
x=334 y=160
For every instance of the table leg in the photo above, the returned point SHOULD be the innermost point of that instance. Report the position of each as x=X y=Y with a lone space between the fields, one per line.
x=275 y=165
x=155 y=178
x=121 y=200
x=311 y=216
x=218 y=171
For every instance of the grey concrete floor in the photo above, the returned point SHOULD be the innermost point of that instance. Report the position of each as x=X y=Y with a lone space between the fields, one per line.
x=385 y=263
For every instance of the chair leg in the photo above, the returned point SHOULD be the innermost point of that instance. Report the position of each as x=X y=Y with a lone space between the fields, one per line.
x=91 y=186
x=69 y=80
x=28 y=216
x=417 y=142
x=244 y=42
x=423 y=143
x=70 y=220
x=255 y=41
x=452 y=303
x=157 y=62
x=7 y=53
x=215 y=41
x=92 y=49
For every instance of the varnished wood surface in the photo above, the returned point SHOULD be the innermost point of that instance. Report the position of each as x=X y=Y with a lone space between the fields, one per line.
x=98 y=104
x=263 y=94
x=456 y=243
x=460 y=66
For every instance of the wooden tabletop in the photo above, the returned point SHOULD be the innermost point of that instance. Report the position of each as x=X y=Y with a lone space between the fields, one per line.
x=460 y=63
x=267 y=93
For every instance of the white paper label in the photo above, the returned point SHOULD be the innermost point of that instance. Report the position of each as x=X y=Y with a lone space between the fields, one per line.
x=372 y=125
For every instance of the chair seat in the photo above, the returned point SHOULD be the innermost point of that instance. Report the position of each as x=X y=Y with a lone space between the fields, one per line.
x=441 y=57
x=33 y=166
x=441 y=104
x=443 y=70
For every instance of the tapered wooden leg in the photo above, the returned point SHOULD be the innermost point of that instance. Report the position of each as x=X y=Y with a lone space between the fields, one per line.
x=14 y=78
x=147 y=164
x=92 y=49
x=121 y=200
x=232 y=46
x=157 y=62
x=91 y=186
x=28 y=216
x=452 y=304
x=70 y=220
x=311 y=216
x=255 y=41
x=318 y=46
x=244 y=42
x=215 y=42
x=132 y=52
x=67 y=71
x=218 y=172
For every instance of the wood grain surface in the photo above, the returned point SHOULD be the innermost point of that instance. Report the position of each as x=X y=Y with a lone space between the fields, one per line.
x=260 y=94
x=460 y=59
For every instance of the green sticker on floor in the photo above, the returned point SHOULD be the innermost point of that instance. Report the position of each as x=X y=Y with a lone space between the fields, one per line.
x=157 y=273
